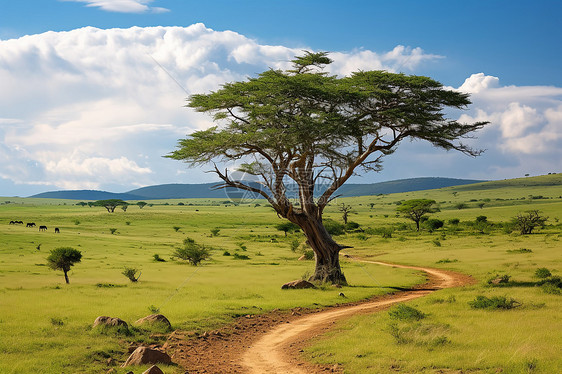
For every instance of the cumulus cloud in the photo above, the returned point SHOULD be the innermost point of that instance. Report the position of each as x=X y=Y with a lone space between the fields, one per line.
x=90 y=107
x=123 y=6
x=526 y=123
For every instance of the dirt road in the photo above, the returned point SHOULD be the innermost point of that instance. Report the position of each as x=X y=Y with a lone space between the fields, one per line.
x=271 y=343
x=269 y=353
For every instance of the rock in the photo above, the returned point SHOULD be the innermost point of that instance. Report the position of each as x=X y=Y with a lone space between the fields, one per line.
x=109 y=321
x=153 y=370
x=155 y=319
x=145 y=355
x=298 y=284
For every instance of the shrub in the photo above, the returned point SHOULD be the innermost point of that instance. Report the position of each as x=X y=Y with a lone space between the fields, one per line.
x=112 y=230
x=334 y=228
x=308 y=254
x=405 y=312
x=131 y=273
x=454 y=221
x=446 y=261
x=157 y=258
x=215 y=231
x=240 y=257
x=433 y=224
x=192 y=252
x=495 y=302
x=542 y=273
x=481 y=219
x=499 y=279
x=176 y=228
x=351 y=226
x=436 y=242
x=226 y=253
x=295 y=245
x=461 y=206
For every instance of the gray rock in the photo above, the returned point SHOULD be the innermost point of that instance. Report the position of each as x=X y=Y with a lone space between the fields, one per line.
x=146 y=355
x=298 y=284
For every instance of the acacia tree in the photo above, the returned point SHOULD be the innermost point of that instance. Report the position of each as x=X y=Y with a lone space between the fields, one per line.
x=111 y=204
x=302 y=127
x=63 y=258
x=415 y=209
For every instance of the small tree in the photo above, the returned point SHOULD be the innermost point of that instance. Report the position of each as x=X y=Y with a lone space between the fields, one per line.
x=110 y=204
x=131 y=273
x=141 y=204
x=192 y=252
x=287 y=227
x=124 y=207
x=345 y=210
x=415 y=209
x=63 y=258
x=526 y=222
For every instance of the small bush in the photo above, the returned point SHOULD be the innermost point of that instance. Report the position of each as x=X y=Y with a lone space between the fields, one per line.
x=131 y=274
x=295 y=243
x=351 y=226
x=226 y=253
x=176 y=228
x=446 y=261
x=520 y=250
x=461 y=206
x=499 y=279
x=454 y=221
x=192 y=252
x=334 y=228
x=436 y=242
x=112 y=230
x=55 y=321
x=240 y=257
x=481 y=219
x=542 y=273
x=495 y=302
x=433 y=224
x=215 y=232
x=308 y=254
x=405 y=312
x=156 y=257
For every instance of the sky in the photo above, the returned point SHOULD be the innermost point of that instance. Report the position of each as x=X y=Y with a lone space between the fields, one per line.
x=92 y=92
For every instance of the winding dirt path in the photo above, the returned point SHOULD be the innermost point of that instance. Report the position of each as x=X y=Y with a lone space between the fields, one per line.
x=271 y=343
x=268 y=354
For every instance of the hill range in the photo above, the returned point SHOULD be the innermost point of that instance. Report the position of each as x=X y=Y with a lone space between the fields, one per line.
x=207 y=190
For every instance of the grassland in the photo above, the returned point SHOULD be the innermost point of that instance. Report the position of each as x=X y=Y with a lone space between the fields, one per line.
x=45 y=324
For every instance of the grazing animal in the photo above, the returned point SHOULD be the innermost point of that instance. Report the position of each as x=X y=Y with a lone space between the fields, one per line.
x=57 y=231
x=30 y=224
x=42 y=228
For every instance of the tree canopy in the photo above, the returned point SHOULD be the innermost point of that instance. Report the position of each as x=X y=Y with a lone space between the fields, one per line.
x=303 y=127
x=111 y=204
x=63 y=258
x=415 y=209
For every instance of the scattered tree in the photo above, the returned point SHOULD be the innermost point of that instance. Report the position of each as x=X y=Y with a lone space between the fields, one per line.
x=415 y=209
x=124 y=207
x=345 y=210
x=141 y=204
x=82 y=203
x=526 y=222
x=63 y=258
x=304 y=127
x=215 y=231
x=131 y=273
x=287 y=227
x=192 y=252
x=110 y=204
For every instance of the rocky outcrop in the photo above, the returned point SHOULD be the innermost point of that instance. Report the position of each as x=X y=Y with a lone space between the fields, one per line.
x=155 y=319
x=109 y=321
x=146 y=355
x=298 y=284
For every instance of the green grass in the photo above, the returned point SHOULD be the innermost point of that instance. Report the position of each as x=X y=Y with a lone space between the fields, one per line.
x=45 y=325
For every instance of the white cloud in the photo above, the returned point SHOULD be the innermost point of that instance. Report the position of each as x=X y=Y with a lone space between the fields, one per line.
x=526 y=123
x=123 y=6
x=79 y=107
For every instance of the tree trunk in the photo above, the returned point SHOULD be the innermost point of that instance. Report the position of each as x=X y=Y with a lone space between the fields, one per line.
x=326 y=251
x=66 y=277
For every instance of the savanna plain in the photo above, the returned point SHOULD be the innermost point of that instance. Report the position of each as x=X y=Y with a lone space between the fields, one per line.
x=508 y=321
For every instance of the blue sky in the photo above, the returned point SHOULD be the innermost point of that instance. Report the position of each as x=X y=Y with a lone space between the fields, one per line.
x=77 y=105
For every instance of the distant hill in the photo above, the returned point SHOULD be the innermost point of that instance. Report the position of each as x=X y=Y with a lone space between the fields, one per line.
x=87 y=195
x=190 y=191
